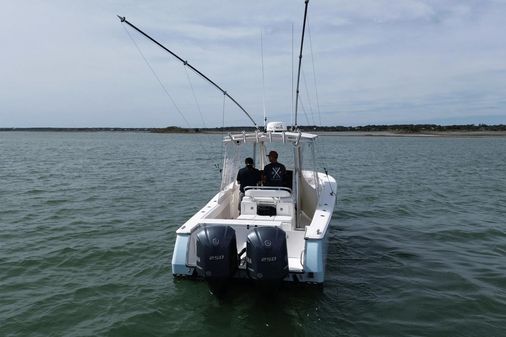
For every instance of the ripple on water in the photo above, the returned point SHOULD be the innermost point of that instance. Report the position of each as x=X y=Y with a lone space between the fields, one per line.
x=87 y=223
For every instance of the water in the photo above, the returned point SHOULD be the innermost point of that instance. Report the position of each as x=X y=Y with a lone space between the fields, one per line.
x=87 y=225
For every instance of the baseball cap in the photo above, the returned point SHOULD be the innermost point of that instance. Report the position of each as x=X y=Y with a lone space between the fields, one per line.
x=273 y=153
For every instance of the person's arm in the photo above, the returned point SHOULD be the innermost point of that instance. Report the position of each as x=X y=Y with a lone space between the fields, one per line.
x=259 y=178
x=265 y=175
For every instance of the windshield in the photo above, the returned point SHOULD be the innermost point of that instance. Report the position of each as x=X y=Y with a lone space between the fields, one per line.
x=237 y=151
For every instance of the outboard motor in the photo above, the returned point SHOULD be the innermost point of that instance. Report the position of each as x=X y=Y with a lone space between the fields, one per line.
x=266 y=254
x=216 y=253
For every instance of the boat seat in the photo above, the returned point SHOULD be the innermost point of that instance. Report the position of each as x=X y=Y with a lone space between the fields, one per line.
x=268 y=196
x=267 y=201
x=267 y=193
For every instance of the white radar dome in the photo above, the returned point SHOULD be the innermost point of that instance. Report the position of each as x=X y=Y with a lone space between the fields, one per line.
x=276 y=126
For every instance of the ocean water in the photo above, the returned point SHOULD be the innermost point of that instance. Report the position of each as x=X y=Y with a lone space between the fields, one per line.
x=87 y=225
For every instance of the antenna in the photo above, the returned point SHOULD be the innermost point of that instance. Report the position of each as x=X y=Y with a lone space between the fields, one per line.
x=124 y=20
x=263 y=79
x=292 y=112
x=300 y=62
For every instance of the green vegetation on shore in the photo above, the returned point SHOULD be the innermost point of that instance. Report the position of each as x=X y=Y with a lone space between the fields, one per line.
x=415 y=128
x=396 y=128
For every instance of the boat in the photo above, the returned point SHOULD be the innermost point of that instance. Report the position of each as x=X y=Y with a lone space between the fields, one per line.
x=279 y=233
x=268 y=234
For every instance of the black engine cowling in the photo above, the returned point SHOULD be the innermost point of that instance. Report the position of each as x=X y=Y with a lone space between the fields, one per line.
x=216 y=252
x=266 y=254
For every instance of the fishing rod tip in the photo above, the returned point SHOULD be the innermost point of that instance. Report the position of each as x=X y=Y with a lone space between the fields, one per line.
x=122 y=18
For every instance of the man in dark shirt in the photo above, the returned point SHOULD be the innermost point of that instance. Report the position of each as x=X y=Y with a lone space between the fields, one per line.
x=274 y=172
x=248 y=175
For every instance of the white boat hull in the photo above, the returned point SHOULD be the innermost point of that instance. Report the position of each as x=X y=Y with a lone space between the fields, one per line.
x=307 y=246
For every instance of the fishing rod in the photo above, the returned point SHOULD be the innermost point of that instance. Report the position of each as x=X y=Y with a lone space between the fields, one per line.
x=124 y=20
x=300 y=62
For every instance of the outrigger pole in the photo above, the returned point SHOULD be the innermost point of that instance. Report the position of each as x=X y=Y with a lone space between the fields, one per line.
x=300 y=62
x=123 y=19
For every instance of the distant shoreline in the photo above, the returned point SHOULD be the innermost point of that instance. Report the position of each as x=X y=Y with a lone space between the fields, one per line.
x=418 y=134
x=51 y=129
x=373 y=131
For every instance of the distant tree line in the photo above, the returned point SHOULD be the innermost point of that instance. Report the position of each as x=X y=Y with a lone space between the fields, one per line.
x=397 y=128
x=77 y=129
x=413 y=128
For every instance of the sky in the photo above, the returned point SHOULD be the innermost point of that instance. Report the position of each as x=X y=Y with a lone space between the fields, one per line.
x=73 y=64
